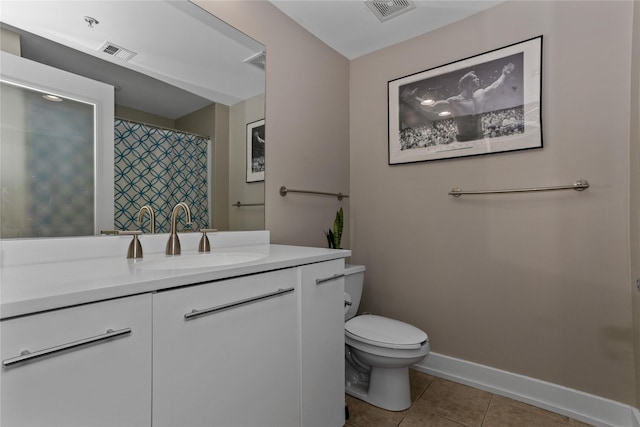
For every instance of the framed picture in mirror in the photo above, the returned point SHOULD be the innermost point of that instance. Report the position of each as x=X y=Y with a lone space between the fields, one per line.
x=255 y=151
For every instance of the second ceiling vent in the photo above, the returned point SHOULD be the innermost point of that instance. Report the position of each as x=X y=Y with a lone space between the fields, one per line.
x=385 y=10
x=117 y=51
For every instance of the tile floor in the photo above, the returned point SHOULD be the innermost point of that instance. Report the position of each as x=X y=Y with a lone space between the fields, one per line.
x=441 y=403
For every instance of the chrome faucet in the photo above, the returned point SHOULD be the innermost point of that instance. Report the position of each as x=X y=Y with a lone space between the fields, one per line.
x=152 y=217
x=173 y=245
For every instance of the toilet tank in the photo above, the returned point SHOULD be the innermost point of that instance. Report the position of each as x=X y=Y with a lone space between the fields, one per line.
x=353 y=283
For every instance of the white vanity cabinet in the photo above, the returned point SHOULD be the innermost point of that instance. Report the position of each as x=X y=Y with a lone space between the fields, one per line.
x=87 y=365
x=322 y=344
x=226 y=353
x=109 y=342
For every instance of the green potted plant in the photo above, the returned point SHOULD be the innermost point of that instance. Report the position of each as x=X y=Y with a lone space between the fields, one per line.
x=335 y=235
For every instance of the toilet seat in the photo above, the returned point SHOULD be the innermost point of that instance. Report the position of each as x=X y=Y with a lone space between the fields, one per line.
x=384 y=332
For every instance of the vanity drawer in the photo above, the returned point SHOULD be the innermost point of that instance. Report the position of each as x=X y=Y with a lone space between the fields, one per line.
x=87 y=366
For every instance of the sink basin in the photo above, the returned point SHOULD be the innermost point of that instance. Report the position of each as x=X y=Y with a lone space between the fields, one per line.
x=199 y=261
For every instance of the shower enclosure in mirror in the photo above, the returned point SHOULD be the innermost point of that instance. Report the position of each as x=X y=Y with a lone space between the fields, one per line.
x=171 y=68
x=56 y=161
x=46 y=164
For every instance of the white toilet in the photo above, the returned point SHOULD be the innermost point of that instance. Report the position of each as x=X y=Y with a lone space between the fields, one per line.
x=378 y=351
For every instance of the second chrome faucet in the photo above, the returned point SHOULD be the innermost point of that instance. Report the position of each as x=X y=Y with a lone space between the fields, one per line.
x=173 y=245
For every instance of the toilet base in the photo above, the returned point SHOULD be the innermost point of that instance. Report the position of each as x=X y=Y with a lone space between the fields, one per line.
x=388 y=388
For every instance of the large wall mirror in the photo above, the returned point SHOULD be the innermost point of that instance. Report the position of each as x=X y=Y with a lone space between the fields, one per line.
x=186 y=89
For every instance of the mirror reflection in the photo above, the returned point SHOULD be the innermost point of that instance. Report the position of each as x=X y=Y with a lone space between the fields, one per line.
x=46 y=166
x=186 y=87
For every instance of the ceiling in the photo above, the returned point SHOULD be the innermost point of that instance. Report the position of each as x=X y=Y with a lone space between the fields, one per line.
x=185 y=57
x=352 y=29
x=171 y=80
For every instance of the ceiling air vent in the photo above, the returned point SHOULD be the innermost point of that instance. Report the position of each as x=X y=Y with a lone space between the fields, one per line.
x=259 y=60
x=385 y=10
x=117 y=51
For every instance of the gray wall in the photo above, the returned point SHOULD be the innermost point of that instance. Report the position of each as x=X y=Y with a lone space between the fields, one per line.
x=536 y=284
x=307 y=121
x=634 y=193
x=539 y=284
x=249 y=217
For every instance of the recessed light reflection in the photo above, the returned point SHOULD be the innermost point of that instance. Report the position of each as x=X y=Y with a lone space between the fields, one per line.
x=53 y=98
x=444 y=113
x=427 y=102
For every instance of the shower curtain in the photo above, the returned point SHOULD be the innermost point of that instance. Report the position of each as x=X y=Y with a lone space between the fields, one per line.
x=160 y=168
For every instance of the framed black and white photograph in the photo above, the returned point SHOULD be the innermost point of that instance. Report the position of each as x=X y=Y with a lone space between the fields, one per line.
x=488 y=103
x=255 y=151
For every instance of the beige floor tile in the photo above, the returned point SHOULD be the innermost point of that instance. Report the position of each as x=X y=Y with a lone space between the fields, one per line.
x=362 y=414
x=456 y=402
x=419 y=382
x=576 y=423
x=442 y=403
x=427 y=419
x=505 y=412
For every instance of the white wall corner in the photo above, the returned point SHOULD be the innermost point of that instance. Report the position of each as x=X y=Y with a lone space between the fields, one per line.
x=576 y=404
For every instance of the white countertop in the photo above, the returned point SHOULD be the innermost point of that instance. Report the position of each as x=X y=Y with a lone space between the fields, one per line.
x=32 y=287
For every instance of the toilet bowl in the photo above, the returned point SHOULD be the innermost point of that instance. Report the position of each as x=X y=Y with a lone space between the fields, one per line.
x=378 y=351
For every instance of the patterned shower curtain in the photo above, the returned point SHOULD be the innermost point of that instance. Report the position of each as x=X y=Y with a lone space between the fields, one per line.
x=160 y=168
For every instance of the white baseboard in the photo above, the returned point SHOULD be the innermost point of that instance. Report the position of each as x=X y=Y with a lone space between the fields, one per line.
x=581 y=406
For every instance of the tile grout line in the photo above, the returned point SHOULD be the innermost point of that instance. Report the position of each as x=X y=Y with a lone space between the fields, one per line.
x=461 y=424
x=412 y=403
x=486 y=412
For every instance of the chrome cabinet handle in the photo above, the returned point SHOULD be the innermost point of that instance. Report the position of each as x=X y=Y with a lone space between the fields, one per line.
x=26 y=355
x=329 y=279
x=195 y=313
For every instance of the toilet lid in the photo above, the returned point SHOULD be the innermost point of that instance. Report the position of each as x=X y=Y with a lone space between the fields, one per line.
x=384 y=332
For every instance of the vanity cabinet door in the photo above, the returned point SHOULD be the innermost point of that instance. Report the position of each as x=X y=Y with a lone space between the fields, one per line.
x=322 y=346
x=88 y=366
x=234 y=360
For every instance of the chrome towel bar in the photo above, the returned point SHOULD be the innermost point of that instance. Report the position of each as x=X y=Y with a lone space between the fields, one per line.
x=240 y=204
x=284 y=190
x=579 y=185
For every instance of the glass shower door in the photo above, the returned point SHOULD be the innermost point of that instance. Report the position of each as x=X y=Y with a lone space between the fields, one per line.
x=47 y=164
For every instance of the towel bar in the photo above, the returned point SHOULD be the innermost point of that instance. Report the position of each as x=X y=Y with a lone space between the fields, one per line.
x=284 y=190
x=579 y=185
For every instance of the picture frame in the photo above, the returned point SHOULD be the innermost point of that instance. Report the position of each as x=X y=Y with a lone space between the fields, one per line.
x=488 y=103
x=255 y=151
